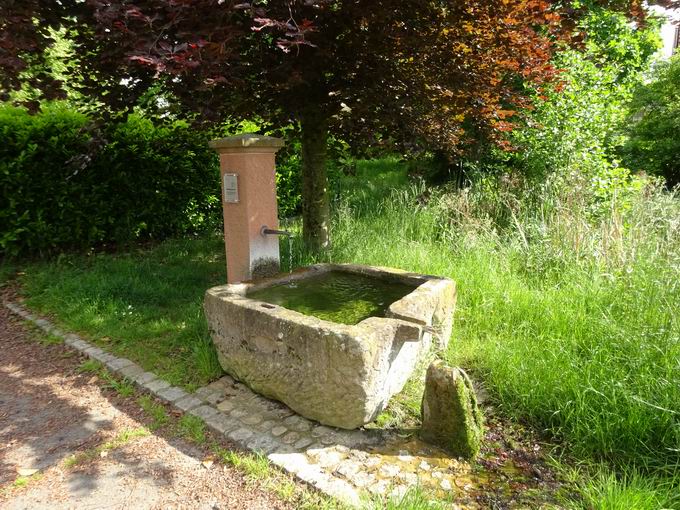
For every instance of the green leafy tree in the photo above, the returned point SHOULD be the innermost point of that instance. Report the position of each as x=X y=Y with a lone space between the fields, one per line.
x=437 y=73
x=575 y=126
x=654 y=125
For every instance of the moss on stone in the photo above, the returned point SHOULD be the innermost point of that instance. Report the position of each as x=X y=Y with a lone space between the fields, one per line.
x=451 y=416
x=264 y=268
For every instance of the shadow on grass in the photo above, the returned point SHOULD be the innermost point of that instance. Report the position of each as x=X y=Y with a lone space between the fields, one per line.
x=145 y=305
x=47 y=428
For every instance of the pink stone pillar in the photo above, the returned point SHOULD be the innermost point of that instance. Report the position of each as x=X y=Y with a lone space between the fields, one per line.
x=249 y=204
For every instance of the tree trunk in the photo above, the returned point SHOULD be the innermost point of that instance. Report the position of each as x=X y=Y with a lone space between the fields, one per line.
x=315 y=206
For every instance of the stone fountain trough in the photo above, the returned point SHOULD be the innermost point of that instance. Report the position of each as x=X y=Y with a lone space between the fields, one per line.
x=341 y=375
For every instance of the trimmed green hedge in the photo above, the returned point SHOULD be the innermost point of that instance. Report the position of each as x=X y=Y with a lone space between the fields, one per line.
x=65 y=184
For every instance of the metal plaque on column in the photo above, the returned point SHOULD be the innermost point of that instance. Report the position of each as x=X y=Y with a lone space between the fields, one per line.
x=231 y=188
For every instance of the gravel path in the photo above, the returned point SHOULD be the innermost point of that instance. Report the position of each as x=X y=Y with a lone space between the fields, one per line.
x=49 y=412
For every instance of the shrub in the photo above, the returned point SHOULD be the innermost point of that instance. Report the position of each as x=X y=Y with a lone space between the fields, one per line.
x=37 y=186
x=166 y=179
x=67 y=184
x=654 y=143
x=70 y=183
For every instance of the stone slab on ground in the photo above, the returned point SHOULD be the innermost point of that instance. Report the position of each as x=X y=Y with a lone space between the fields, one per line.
x=450 y=415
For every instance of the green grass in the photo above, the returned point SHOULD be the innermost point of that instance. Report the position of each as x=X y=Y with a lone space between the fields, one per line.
x=570 y=320
x=47 y=338
x=90 y=366
x=19 y=483
x=145 y=305
x=568 y=316
x=191 y=428
x=414 y=499
x=605 y=491
x=156 y=412
x=257 y=469
x=254 y=466
x=404 y=408
x=124 y=387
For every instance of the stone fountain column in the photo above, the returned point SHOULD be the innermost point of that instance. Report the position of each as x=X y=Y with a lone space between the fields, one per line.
x=247 y=170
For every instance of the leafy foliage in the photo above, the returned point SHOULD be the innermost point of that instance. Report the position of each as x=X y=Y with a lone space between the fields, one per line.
x=574 y=127
x=654 y=144
x=27 y=32
x=433 y=70
x=423 y=69
x=61 y=189
x=438 y=74
x=68 y=182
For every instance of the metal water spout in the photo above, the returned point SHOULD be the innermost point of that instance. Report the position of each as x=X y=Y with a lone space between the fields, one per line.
x=271 y=231
x=265 y=231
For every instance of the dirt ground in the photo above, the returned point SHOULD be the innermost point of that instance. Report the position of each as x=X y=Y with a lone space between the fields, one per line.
x=49 y=412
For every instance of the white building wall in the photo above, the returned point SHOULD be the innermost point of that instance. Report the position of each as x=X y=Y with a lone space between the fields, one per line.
x=669 y=30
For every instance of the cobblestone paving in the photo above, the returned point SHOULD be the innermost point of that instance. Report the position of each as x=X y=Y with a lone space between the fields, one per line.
x=338 y=462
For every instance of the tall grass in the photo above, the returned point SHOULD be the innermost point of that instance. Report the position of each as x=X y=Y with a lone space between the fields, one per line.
x=567 y=308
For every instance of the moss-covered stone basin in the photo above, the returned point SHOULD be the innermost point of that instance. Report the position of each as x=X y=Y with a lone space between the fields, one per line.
x=336 y=296
x=338 y=374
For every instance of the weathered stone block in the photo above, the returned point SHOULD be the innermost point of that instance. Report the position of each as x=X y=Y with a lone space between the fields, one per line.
x=144 y=378
x=240 y=435
x=188 y=403
x=337 y=374
x=155 y=385
x=118 y=363
x=171 y=394
x=263 y=444
x=222 y=423
x=451 y=416
x=131 y=371
x=100 y=355
x=204 y=412
x=72 y=340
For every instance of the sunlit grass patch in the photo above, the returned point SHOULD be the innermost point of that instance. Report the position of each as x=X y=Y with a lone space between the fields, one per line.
x=146 y=306
x=606 y=491
x=191 y=428
x=123 y=438
x=415 y=498
x=205 y=359
x=254 y=466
